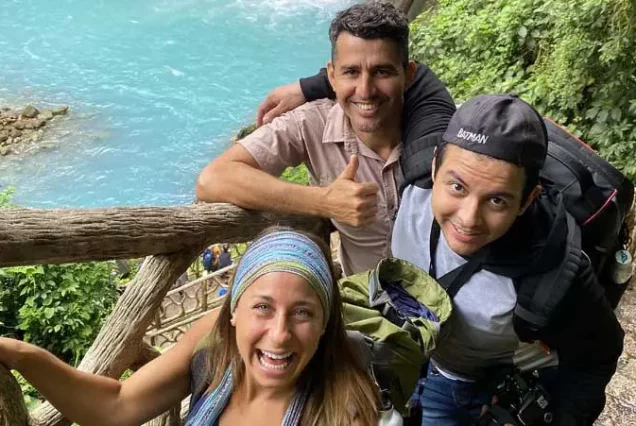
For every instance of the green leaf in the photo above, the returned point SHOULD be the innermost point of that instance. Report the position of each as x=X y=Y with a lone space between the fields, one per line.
x=591 y=113
x=523 y=32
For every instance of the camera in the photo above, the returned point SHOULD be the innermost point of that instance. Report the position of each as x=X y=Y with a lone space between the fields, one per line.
x=520 y=400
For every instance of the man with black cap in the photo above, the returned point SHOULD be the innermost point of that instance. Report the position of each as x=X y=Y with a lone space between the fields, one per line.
x=484 y=230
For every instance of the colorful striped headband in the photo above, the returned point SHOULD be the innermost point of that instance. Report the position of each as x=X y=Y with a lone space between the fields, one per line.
x=285 y=251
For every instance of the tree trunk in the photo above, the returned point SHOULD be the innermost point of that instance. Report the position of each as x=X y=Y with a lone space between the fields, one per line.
x=119 y=343
x=13 y=411
x=31 y=236
x=419 y=6
x=412 y=8
x=402 y=5
x=631 y=221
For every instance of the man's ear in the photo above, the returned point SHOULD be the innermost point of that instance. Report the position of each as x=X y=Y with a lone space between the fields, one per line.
x=331 y=73
x=411 y=69
x=534 y=194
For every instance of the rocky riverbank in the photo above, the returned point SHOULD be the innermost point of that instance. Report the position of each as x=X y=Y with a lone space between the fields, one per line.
x=21 y=129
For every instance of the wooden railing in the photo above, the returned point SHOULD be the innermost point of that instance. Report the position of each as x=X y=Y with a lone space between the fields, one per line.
x=184 y=305
x=171 y=236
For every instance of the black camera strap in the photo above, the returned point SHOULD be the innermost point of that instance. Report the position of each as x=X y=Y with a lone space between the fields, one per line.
x=453 y=281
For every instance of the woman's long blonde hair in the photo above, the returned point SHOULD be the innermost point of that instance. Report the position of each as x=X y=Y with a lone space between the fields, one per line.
x=340 y=386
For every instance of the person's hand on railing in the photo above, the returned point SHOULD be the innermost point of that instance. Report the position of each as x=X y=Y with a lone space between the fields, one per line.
x=279 y=101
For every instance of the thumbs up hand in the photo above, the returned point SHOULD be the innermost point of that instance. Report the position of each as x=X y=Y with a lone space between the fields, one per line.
x=350 y=202
x=349 y=173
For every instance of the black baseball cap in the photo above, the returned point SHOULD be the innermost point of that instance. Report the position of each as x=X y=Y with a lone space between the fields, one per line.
x=500 y=126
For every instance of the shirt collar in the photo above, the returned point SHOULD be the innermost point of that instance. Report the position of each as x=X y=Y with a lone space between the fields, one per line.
x=338 y=130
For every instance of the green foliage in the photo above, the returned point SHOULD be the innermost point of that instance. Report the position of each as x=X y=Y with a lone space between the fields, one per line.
x=32 y=397
x=245 y=131
x=61 y=307
x=572 y=59
x=58 y=307
x=297 y=175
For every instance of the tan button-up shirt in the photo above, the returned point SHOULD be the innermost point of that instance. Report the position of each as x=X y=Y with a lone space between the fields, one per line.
x=320 y=135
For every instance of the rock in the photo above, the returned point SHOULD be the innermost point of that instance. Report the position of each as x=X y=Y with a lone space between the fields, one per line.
x=61 y=110
x=30 y=112
x=45 y=115
x=47 y=145
x=37 y=123
x=23 y=128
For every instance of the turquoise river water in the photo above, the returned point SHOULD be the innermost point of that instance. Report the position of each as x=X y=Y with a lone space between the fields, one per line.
x=156 y=88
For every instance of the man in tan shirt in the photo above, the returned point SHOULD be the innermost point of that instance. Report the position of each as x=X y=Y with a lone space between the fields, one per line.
x=351 y=148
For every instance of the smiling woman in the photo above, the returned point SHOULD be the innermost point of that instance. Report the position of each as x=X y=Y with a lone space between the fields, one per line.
x=277 y=354
x=279 y=350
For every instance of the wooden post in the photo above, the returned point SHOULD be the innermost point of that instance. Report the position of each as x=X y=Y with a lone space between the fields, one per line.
x=13 y=411
x=153 y=338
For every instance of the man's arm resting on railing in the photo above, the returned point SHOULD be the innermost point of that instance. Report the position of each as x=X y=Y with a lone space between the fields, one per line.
x=93 y=400
x=236 y=177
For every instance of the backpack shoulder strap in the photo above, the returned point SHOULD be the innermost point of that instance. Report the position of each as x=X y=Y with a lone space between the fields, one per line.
x=416 y=161
x=538 y=295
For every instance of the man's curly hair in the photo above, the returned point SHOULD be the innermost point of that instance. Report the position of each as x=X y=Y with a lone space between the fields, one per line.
x=372 y=20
